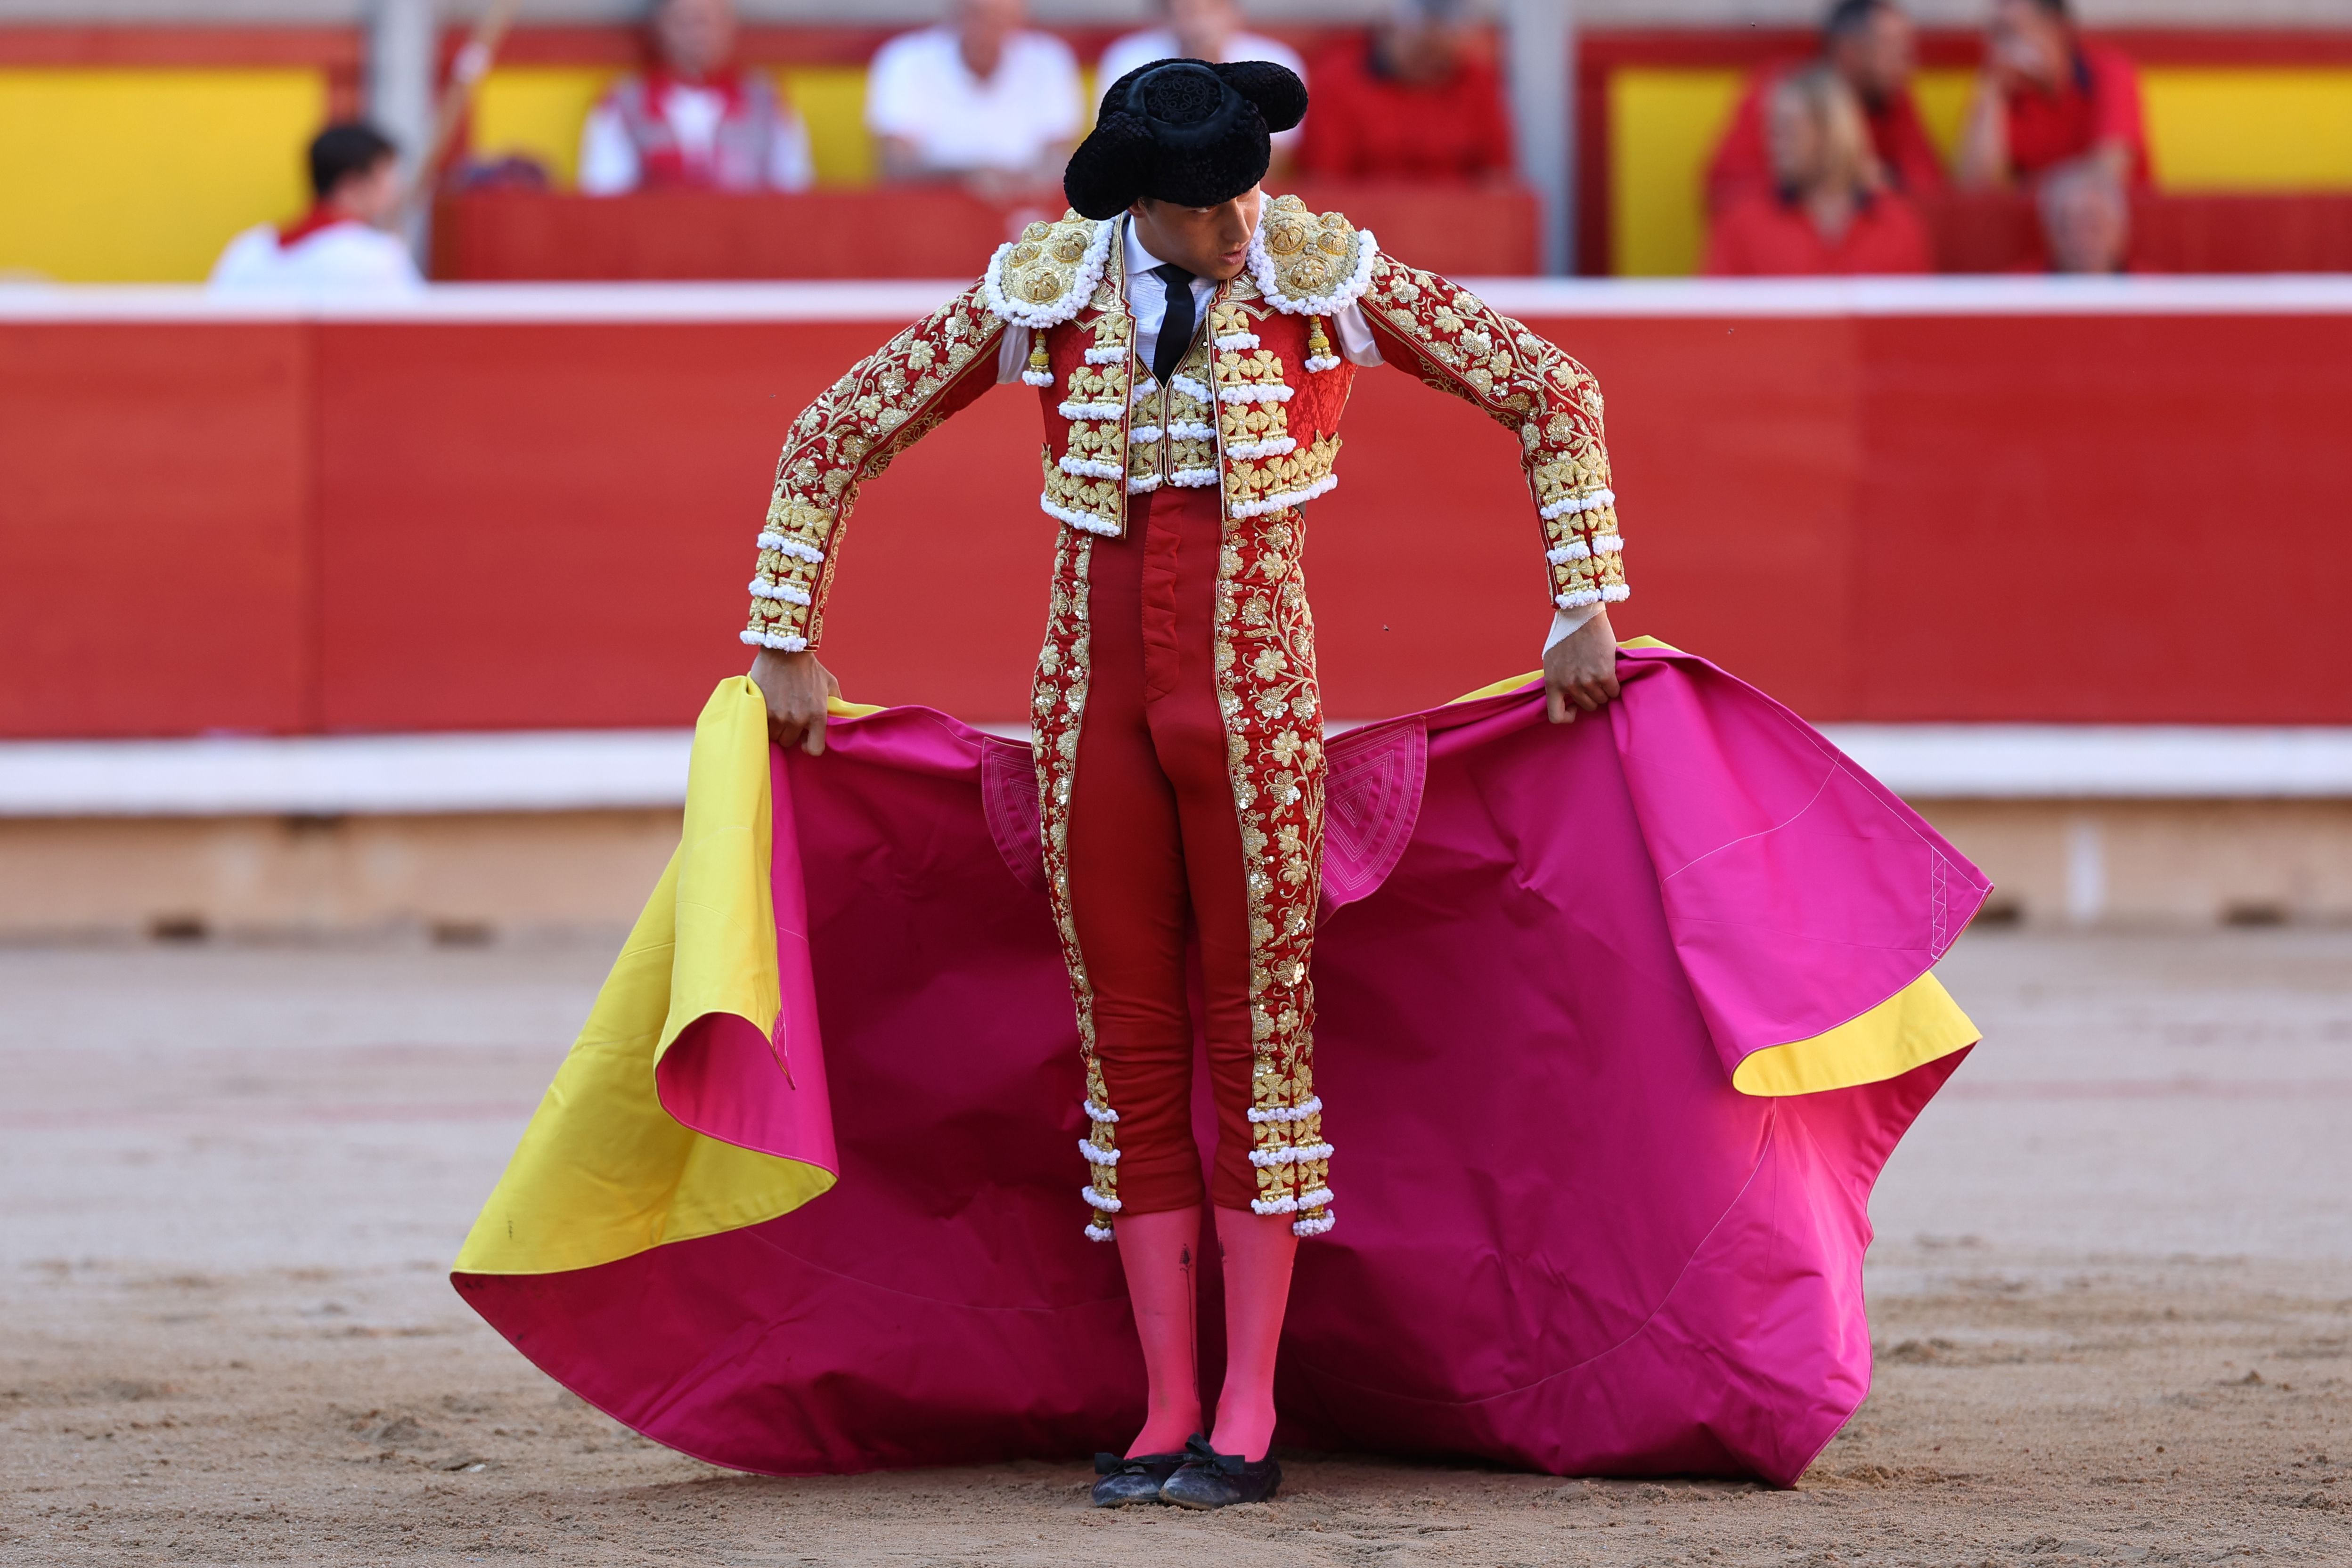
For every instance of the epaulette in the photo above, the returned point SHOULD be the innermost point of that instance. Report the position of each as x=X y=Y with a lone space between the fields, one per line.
x=1309 y=265
x=1046 y=276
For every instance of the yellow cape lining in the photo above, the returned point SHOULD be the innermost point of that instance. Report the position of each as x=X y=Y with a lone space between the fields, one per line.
x=602 y=1171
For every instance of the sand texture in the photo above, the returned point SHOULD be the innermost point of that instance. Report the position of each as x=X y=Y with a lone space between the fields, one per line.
x=2112 y=1297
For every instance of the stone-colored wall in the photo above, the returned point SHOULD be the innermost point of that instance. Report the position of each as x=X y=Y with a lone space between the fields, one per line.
x=470 y=877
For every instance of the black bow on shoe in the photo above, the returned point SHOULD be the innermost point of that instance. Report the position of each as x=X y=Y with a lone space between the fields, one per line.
x=1197 y=1451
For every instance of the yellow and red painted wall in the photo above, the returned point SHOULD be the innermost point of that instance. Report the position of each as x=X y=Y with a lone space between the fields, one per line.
x=134 y=153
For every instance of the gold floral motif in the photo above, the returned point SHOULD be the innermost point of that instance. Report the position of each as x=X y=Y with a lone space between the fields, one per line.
x=1312 y=252
x=1463 y=347
x=886 y=402
x=1058 y=708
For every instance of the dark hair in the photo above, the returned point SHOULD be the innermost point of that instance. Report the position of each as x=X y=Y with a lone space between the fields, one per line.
x=1185 y=132
x=2058 y=8
x=343 y=151
x=1848 y=17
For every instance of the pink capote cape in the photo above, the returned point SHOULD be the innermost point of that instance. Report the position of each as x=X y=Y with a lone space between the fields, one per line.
x=1620 y=1021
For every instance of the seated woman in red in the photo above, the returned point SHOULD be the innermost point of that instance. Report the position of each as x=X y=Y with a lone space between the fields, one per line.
x=1830 y=214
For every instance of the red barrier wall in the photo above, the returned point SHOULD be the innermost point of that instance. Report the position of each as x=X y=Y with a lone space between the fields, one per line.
x=426 y=525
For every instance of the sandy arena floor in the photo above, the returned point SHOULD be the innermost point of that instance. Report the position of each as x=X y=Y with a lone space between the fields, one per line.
x=2113 y=1299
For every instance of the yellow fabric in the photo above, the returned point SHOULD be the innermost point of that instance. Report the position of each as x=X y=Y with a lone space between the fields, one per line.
x=602 y=1171
x=1500 y=687
x=1916 y=1024
x=136 y=176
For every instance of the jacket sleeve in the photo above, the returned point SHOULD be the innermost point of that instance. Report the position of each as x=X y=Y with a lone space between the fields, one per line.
x=1456 y=343
x=887 y=401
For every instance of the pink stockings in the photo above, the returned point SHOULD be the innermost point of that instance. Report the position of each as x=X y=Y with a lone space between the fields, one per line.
x=1159 y=1250
x=1156 y=851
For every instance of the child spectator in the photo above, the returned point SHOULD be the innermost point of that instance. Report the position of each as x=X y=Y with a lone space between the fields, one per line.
x=338 y=244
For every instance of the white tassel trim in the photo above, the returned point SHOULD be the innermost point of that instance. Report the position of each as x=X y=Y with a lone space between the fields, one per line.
x=1144 y=434
x=1191 y=430
x=1287 y=498
x=1567 y=503
x=1108 y=1205
x=1038 y=378
x=1084 y=521
x=1313 y=1224
x=792 y=547
x=1238 y=340
x=1319 y=1198
x=1091 y=467
x=1144 y=389
x=1320 y=362
x=1608 y=544
x=1575 y=550
x=1616 y=594
x=1103 y=1233
x=1260 y=266
x=1194 y=479
x=1096 y=1114
x=1194 y=390
x=1143 y=484
x=1092 y=411
x=1288 y=1112
x=1270 y=391
x=1098 y=1156
x=1053 y=312
x=783 y=642
x=1290 y=1157
x=1274 y=448
x=1579 y=600
x=1109 y=356
x=784 y=590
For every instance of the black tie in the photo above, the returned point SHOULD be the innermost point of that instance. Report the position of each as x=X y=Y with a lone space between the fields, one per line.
x=1176 y=327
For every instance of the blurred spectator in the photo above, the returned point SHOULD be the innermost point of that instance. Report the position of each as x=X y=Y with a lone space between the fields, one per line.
x=696 y=120
x=340 y=244
x=1422 y=101
x=1828 y=214
x=2049 y=97
x=1871 y=44
x=980 y=99
x=1202 y=30
x=2086 y=218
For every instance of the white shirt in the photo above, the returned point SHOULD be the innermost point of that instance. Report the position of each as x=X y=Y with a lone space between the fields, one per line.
x=1147 y=302
x=919 y=91
x=342 y=258
x=1139 y=49
x=608 y=157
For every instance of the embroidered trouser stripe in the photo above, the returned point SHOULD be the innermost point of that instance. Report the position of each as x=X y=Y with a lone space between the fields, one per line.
x=1155 y=849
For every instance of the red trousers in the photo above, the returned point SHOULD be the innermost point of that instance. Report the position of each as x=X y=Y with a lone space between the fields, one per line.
x=1155 y=850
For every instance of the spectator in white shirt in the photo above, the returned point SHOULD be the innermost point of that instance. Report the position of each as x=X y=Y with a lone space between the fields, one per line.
x=980 y=99
x=697 y=121
x=339 y=246
x=1207 y=30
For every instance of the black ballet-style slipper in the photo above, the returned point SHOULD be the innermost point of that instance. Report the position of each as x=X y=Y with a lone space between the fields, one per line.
x=1138 y=1479
x=1212 y=1479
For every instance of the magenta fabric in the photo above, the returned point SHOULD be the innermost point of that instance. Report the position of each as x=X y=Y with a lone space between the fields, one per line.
x=1565 y=1241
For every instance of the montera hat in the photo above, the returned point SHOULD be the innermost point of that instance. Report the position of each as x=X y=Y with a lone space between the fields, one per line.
x=1185 y=131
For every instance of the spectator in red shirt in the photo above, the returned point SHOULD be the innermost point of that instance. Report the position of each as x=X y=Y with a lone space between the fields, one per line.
x=1829 y=214
x=1872 y=45
x=2048 y=97
x=1421 y=102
